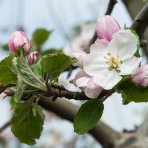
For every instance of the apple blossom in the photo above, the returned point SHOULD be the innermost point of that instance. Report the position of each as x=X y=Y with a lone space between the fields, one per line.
x=19 y=39
x=140 y=75
x=32 y=57
x=108 y=62
x=106 y=26
x=86 y=83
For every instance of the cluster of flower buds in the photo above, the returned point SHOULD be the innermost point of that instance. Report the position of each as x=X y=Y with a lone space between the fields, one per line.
x=19 y=39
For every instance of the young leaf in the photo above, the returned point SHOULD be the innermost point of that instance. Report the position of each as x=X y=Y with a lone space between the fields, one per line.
x=6 y=75
x=56 y=63
x=13 y=103
x=132 y=92
x=87 y=116
x=27 y=122
x=19 y=89
x=38 y=69
x=28 y=76
x=40 y=36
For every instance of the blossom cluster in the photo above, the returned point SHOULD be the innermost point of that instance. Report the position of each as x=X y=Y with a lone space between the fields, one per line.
x=111 y=58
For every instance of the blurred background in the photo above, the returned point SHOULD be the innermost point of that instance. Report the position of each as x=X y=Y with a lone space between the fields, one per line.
x=65 y=18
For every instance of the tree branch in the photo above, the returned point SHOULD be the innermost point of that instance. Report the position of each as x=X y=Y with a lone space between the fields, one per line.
x=62 y=92
x=141 y=21
x=102 y=133
x=133 y=8
x=5 y=126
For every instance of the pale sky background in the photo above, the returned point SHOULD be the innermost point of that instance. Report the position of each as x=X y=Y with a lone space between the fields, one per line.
x=62 y=16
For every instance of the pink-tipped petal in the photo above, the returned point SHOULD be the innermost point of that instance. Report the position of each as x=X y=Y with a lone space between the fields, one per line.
x=87 y=84
x=19 y=39
x=92 y=90
x=106 y=26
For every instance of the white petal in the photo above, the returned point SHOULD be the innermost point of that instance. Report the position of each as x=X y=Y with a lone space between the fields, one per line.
x=92 y=90
x=100 y=46
x=80 y=74
x=82 y=82
x=108 y=79
x=94 y=64
x=129 y=65
x=123 y=44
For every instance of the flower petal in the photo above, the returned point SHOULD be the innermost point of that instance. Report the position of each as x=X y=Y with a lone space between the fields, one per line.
x=100 y=46
x=92 y=90
x=81 y=79
x=82 y=82
x=80 y=74
x=108 y=79
x=94 y=64
x=129 y=65
x=123 y=44
x=106 y=26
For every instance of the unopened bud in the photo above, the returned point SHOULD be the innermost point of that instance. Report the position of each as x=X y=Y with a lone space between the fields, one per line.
x=106 y=26
x=32 y=57
x=19 y=39
x=140 y=75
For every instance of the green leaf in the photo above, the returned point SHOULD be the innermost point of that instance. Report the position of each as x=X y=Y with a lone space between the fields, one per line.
x=6 y=74
x=56 y=63
x=13 y=103
x=88 y=116
x=19 y=89
x=40 y=36
x=27 y=122
x=27 y=74
x=38 y=69
x=51 y=51
x=132 y=92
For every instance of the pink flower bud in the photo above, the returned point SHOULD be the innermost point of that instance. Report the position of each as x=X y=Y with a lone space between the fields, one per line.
x=106 y=26
x=87 y=84
x=19 y=39
x=140 y=75
x=32 y=57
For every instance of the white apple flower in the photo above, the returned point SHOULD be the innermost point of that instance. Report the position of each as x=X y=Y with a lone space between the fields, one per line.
x=107 y=63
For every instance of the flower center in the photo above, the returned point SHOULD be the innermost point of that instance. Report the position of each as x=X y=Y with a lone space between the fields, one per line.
x=112 y=61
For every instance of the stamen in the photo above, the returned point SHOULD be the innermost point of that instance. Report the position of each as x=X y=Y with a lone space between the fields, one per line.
x=113 y=61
